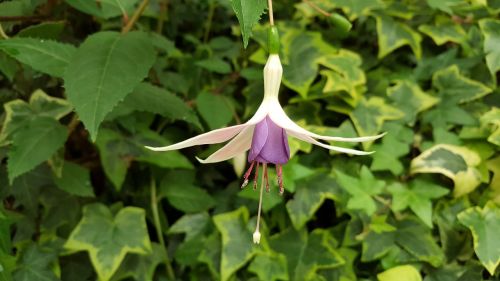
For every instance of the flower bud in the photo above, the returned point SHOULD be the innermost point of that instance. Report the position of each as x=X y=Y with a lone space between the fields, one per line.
x=256 y=237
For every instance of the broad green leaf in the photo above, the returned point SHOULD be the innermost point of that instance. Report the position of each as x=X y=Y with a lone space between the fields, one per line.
x=215 y=64
x=44 y=30
x=248 y=13
x=409 y=97
x=185 y=197
x=455 y=162
x=370 y=115
x=35 y=264
x=309 y=196
x=190 y=224
x=141 y=267
x=361 y=190
x=46 y=56
x=149 y=98
x=417 y=195
x=387 y=155
x=126 y=232
x=443 y=5
x=444 y=33
x=356 y=8
x=33 y=144
x=494 y=166
x=417 y=239
x=18 y=114
x=492 y=119
x=485 y=225
x=491 y=32
x=211 y=254
x=306 y=254
x=346 y=271
x=237 y=247
x=393 y=35
x=402 y=272
x=269 y=266
x=104 y=8
x=8 y=66
x=207 y=102
x=109 y=76
x=75 y=180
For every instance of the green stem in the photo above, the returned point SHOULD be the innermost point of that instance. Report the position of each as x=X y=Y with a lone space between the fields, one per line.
x=210 y=17
x=159 y=233
x=2 y=33
x=136 y=16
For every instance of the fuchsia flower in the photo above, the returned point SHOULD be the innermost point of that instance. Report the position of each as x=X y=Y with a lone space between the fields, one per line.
x=265 y=135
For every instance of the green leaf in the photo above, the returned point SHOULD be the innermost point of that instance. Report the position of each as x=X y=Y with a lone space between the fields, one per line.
x=207 y=102
x=44 y=30
x=356 y=8
x=387 y=155
x=215 y=65
x=8 y=66
x=124 y=233
x=456 y=162
x=248 y=13
x=109 y=76
x=141 y=267
x=150 y=98
x=185 y=197
x=104 y=8
x=46 y=56
x=307 y=254
x=361 y=189
x=35 y=264
x=492 y=119
x=33 y=144
x=485 y=226
x=401 y=272
x=309 y=196
x=237 y=247
x=18 y=114
x=75 y=180
x=443 y=5
x=417 y=195
x=444 y=33
x=269 y=266
x=190 y=224
x=393 y=35
x=491 y=32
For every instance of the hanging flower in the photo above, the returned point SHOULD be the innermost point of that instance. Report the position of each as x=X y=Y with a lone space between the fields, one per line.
x=265 y=135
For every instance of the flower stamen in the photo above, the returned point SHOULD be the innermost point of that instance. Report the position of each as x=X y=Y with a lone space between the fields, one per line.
x=279 y=172
x=267 y=178
x=247 y=174
x=256 y=177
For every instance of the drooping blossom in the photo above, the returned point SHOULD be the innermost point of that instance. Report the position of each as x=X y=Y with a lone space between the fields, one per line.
x=265 y=135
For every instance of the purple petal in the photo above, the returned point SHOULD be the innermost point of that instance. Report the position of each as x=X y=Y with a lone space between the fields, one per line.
x=269 y=143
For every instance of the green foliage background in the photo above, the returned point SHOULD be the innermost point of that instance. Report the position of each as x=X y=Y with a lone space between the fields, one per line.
x=84 y=200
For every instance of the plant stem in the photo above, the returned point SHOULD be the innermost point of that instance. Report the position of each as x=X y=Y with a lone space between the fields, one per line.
x=210 y=17
x=270 y=7
x=2 y=33
x=136 y=16
x=163 y=16
x=314 y=6
x=159 y=233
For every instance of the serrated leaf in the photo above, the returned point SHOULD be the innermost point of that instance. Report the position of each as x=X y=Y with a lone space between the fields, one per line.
x=34 y=144
x=104 y=8
x=491 y=32
x=8 y=66
x=248 y=13
x=44 y=30
x=268 y=266
x=361 y=190
x=118 y=235
x=485 y=225
x=206 y=102
x=75 y=180
x=455 y=162
x=393 y=35
x=109 y=76
x=402 y=272
x=46 y=56
x=309 y=196
x=237 y=247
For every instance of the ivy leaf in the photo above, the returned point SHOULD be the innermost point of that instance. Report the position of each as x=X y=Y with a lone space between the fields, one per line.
x=46 y=56
x=485 y=226
x=361 y=189
x=456 y=162
x=444 y=33
x=248 y=13
x=237 y=247
x=417 y=195
x=35 y=264
x=18 y=114
x=490 y=29
x=75 y=180
x=401 y=272
x=190 y=224
x=269 y=266
x=110 y=75
x=206 y=102
x=124 y=233
x=33 y=144
x=445 y=6
x=492 y=119
x=393 y=35
x=387 y=155
x=184 y=196
x=356 y=8
x=309 y=196
x=306 y=254
x=141 y=267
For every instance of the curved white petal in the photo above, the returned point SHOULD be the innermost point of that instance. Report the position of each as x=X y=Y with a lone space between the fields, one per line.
x=238 y=145
x=281 y=119
x=309 y=139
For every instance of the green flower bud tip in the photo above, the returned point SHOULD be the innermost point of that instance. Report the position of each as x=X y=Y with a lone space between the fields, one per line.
x=340 y=22
x=274 y=40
